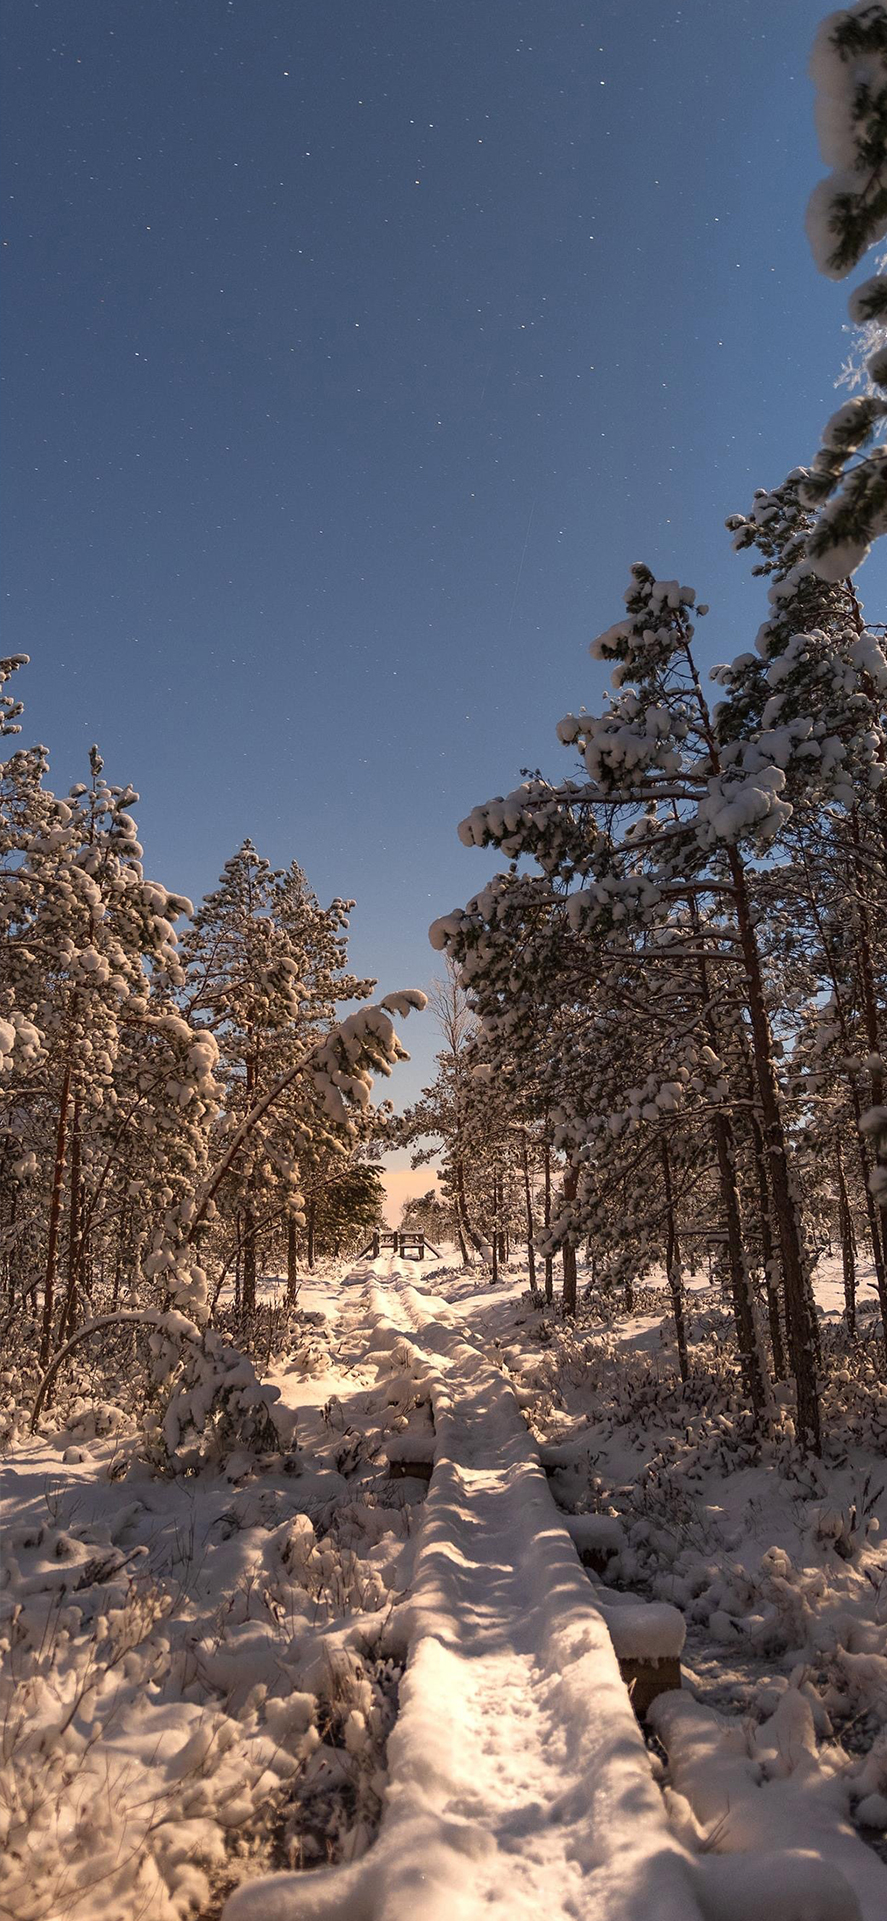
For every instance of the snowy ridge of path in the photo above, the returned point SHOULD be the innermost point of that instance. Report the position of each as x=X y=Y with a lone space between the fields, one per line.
x=518 y=1777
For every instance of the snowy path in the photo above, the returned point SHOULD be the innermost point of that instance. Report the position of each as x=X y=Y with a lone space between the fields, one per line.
x=518 y=1776
x=518 y=1779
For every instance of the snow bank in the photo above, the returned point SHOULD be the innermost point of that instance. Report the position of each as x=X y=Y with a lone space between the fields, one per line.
x=641 y=1630
x=188 y=1665
x=776 y=1807
x=595 y=1533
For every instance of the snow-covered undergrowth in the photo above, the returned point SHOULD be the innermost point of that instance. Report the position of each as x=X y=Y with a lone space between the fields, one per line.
x=201 y=1672
x=778 y=1563
x=20 y=1377
x=194 y=1682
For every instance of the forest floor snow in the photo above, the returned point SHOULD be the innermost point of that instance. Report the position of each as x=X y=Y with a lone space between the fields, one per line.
x=344 y=1701
x=517 y=1773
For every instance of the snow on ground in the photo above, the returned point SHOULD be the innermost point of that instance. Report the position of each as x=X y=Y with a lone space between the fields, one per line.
x=202 y=1673
x=193 y=1666
x=517 y=1771
x=778 y=1566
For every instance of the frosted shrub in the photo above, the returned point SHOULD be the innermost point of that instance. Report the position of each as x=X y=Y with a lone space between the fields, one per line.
x=847 y=1529
x=338 y=1799
x=211 y=1404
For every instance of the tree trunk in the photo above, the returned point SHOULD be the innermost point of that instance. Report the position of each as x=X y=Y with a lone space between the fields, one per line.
x=248 y=1285
x=499 y=1208
x=848 y=1248
x=752 y=1361
x=292 y=1274
x=55 y=1208
x=311 y=1219
x=568 y=1255
x=876 y=1071
x=568 y=1252
x=546 y=1217
x=673 y=1266
x=10 y=1258
x=471 y=1232
x=866 y=985
x=801 y=1345
x=528 y=1203
x=753 y=1378
x=69 y=1311
x=769 y=1259
x=873 y=1213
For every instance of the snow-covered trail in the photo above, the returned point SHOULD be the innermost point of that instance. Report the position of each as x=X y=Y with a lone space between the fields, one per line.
x=518 y=1779
x=518 y=1776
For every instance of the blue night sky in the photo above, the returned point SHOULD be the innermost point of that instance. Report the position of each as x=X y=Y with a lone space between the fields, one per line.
x=354 y=349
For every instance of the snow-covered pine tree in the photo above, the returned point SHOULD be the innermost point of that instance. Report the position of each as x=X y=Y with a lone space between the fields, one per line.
x=445 y=1118
x=266 y=969
x=342 y=1209
x=847 y=214
x=430 y=1214
x=816 y=687
x=109 y=1165
x=673 y=808
x=90 y=945
x=243 y=987
x=611 y=1047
